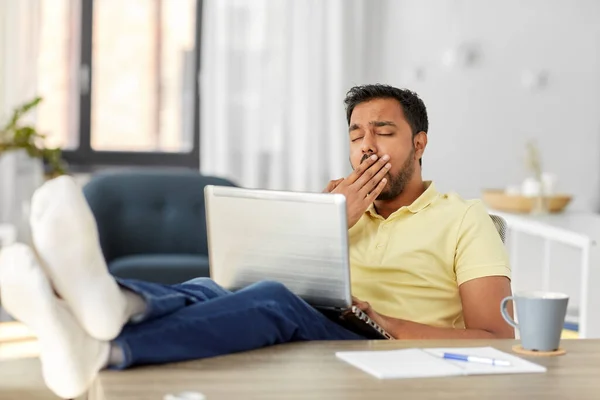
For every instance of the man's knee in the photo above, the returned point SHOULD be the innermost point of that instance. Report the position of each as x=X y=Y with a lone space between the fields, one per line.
x=204 y=283
x=206 y=286
x=272 y=289
x=200 y=281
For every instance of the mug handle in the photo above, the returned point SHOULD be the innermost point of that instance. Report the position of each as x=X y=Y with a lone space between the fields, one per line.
x=505 y=315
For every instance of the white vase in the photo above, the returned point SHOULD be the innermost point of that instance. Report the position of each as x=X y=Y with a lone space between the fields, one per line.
x=20 y=176
x=531 y=187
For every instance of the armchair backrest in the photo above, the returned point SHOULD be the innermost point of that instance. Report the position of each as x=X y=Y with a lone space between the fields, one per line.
x=150 y=211
x=500 y=226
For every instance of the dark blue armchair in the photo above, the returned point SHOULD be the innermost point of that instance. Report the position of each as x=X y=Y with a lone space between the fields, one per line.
x=152 y=224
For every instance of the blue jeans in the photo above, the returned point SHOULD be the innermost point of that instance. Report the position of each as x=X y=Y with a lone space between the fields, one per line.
x=200 y=319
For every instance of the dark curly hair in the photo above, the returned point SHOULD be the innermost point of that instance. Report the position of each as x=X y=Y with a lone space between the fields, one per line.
x=414 y=109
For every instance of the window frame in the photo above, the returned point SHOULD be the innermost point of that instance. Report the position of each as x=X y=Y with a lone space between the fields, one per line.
x=84 y=157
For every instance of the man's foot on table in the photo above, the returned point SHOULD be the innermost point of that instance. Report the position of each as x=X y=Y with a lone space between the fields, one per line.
x=70 y=358
x=66 y=238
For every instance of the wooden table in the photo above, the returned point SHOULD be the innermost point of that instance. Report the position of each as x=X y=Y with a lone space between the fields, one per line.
x=20 y=371
x=311 y=371
x=22 y=379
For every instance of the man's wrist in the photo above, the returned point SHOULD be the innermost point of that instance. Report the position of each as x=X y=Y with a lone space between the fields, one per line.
x=393 y=326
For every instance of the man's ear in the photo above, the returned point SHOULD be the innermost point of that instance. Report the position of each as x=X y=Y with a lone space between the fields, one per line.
x=420 y=143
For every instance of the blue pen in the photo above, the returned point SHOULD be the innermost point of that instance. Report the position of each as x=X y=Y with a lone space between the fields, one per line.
x=467 y=358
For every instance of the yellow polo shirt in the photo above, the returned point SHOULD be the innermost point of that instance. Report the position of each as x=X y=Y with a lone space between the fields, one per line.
x=410 y=265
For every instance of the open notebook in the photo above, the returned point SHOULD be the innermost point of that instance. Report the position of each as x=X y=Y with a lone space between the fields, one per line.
x=418 y=363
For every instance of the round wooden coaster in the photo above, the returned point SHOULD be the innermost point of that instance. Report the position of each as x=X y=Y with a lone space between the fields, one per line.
x=519 y=349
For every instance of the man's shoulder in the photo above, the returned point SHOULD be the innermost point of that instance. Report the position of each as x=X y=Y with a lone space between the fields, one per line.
x=467 y=215
x=453 y=203
x=453 y=210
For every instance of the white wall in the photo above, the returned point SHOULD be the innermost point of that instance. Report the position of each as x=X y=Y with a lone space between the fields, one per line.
x=481 y=116
x=19 y=24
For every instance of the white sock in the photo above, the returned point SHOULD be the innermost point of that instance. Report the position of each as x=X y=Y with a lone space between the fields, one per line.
x=66 y=238
x=70 y=358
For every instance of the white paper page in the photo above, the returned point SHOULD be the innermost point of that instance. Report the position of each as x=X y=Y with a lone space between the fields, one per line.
x=407 y=363
x=518 y=365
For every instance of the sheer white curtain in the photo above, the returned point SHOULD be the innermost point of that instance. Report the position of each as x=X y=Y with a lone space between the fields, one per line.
x=274 y=75
x=19 y=42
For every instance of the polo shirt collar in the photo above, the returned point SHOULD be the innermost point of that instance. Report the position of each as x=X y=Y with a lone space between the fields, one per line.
x=425 y=199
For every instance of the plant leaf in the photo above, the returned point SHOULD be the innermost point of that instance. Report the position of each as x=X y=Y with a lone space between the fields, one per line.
x=14 y=136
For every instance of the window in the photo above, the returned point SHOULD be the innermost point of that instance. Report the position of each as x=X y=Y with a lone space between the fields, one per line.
x=119 y=81
x=58 y=63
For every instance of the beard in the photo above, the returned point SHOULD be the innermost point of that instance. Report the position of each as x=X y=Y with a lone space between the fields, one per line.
x=396 y=183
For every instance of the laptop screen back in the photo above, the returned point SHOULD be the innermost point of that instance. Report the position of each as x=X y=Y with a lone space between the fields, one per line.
x=298 y=239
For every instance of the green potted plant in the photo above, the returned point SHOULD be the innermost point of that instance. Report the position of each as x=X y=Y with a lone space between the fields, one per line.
x=22 y=156
x=17 y=136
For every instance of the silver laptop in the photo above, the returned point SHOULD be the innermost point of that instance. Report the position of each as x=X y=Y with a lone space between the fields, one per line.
x=298 y=239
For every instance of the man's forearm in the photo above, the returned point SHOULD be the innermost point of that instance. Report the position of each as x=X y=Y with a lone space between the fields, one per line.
x=402 y=329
